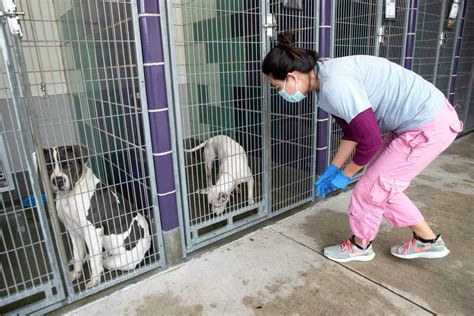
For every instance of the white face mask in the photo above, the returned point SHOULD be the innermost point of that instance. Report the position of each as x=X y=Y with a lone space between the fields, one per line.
x=292 y=98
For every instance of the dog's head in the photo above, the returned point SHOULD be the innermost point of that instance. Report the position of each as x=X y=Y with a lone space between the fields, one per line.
x=217 y=199
x=66 y=165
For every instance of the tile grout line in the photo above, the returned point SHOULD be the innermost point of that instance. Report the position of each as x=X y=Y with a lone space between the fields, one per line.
x=356 y=272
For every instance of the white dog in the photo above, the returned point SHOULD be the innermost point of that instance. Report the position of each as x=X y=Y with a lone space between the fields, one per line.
x=233 y=170
x=95 y=215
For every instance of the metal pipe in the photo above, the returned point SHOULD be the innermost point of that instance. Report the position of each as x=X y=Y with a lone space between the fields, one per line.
x=456 y=53
x=325 y=51
x=411 y=33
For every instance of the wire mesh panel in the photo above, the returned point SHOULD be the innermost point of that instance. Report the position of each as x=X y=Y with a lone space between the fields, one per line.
x=355 y=27
x=29 y=275
x=80 y=57
x=392 y=46
x=292 y=125
x=445 y=58
x=218 y=51
x=463 y=97
x=427 y=38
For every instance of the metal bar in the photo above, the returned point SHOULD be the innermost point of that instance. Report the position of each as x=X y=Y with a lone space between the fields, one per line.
x=410 y=35
x=442 y=19
x=325 y=51
x=315 y=97
x=405 y=30
x=146 y=131
x=169 y=52
x=456 y=52
x=378 y=26
x=266 y=118
x=180 y=158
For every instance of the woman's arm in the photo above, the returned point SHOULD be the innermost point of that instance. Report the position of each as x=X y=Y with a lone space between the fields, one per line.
x=361 y=134
x=343 y=153
x=346 y=148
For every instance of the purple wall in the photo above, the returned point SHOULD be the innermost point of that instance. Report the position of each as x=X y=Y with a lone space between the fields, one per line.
x=154 y=64
x=411 y=31
x=454 y=68
x=325 y=51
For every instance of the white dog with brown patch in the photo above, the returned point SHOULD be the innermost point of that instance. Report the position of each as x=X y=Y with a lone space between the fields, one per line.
x=233 y=170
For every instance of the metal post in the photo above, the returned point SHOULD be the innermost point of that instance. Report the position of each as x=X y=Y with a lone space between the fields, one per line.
x=146 y=131
x=456 y=53
x=378 y=27
x=442 y=18
x=315 y=102
x=266 y=119
x=171 y=84
x=325 y=51
x=410 y=35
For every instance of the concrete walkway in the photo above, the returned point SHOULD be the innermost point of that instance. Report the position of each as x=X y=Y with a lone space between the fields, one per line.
x=280 y=269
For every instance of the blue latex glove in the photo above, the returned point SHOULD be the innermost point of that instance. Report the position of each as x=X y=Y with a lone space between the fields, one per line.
x=322 y=185
x=324 y=189
x=339 y=182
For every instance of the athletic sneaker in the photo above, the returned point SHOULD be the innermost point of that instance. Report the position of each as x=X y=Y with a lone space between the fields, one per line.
x=349 y=251
x=416 y=248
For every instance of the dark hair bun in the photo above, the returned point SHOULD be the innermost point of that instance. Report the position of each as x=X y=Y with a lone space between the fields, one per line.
x=286 y=38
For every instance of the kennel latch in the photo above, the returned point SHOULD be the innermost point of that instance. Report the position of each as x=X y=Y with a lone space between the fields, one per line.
x=12 y=15
x=270 y=25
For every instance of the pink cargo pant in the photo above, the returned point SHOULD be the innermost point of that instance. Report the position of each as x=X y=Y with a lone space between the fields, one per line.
x=402 y=157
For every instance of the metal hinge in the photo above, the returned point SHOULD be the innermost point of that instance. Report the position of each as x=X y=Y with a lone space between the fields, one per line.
x=12 y=15
x=381 y=35
x=270 y=25
x=443 y=38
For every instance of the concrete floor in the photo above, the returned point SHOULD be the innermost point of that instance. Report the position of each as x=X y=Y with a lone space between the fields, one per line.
x=280 y=270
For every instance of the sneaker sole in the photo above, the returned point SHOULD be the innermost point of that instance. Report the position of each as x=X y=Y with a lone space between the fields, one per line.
x=427 y=255
x=358 y=258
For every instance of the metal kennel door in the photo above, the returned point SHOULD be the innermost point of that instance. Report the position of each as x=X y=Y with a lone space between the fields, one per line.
x=82 y=66
x=216 y=48
x=216 y=52
x=29 y=273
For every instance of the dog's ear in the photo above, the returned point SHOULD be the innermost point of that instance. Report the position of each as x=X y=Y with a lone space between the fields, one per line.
x=223 y=196
x=82 y=152
x=203 y=191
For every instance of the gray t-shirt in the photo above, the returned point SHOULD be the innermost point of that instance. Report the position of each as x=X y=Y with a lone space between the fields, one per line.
x=400 y=98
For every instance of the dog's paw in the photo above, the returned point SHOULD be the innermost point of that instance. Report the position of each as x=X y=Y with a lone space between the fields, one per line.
x=251 y=201
x=93 y=282
x=74 y=275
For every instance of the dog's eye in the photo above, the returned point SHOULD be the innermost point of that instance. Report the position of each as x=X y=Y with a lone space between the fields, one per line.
x=49 y=167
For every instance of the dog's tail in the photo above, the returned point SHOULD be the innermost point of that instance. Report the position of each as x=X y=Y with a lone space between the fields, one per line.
x=201 y=145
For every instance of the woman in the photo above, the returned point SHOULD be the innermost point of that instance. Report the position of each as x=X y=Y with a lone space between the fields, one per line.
x=368 y=96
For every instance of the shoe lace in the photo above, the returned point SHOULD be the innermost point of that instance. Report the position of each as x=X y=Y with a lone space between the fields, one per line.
x=406 y=246
x=347 y=246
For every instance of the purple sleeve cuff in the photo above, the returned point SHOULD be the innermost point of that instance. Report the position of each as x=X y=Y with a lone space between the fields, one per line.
x=366 y=132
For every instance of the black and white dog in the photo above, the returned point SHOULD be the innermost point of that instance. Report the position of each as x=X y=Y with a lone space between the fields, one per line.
x=95 y=215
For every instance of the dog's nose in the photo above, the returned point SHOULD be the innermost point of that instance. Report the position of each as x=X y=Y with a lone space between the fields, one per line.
x=58 y=182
